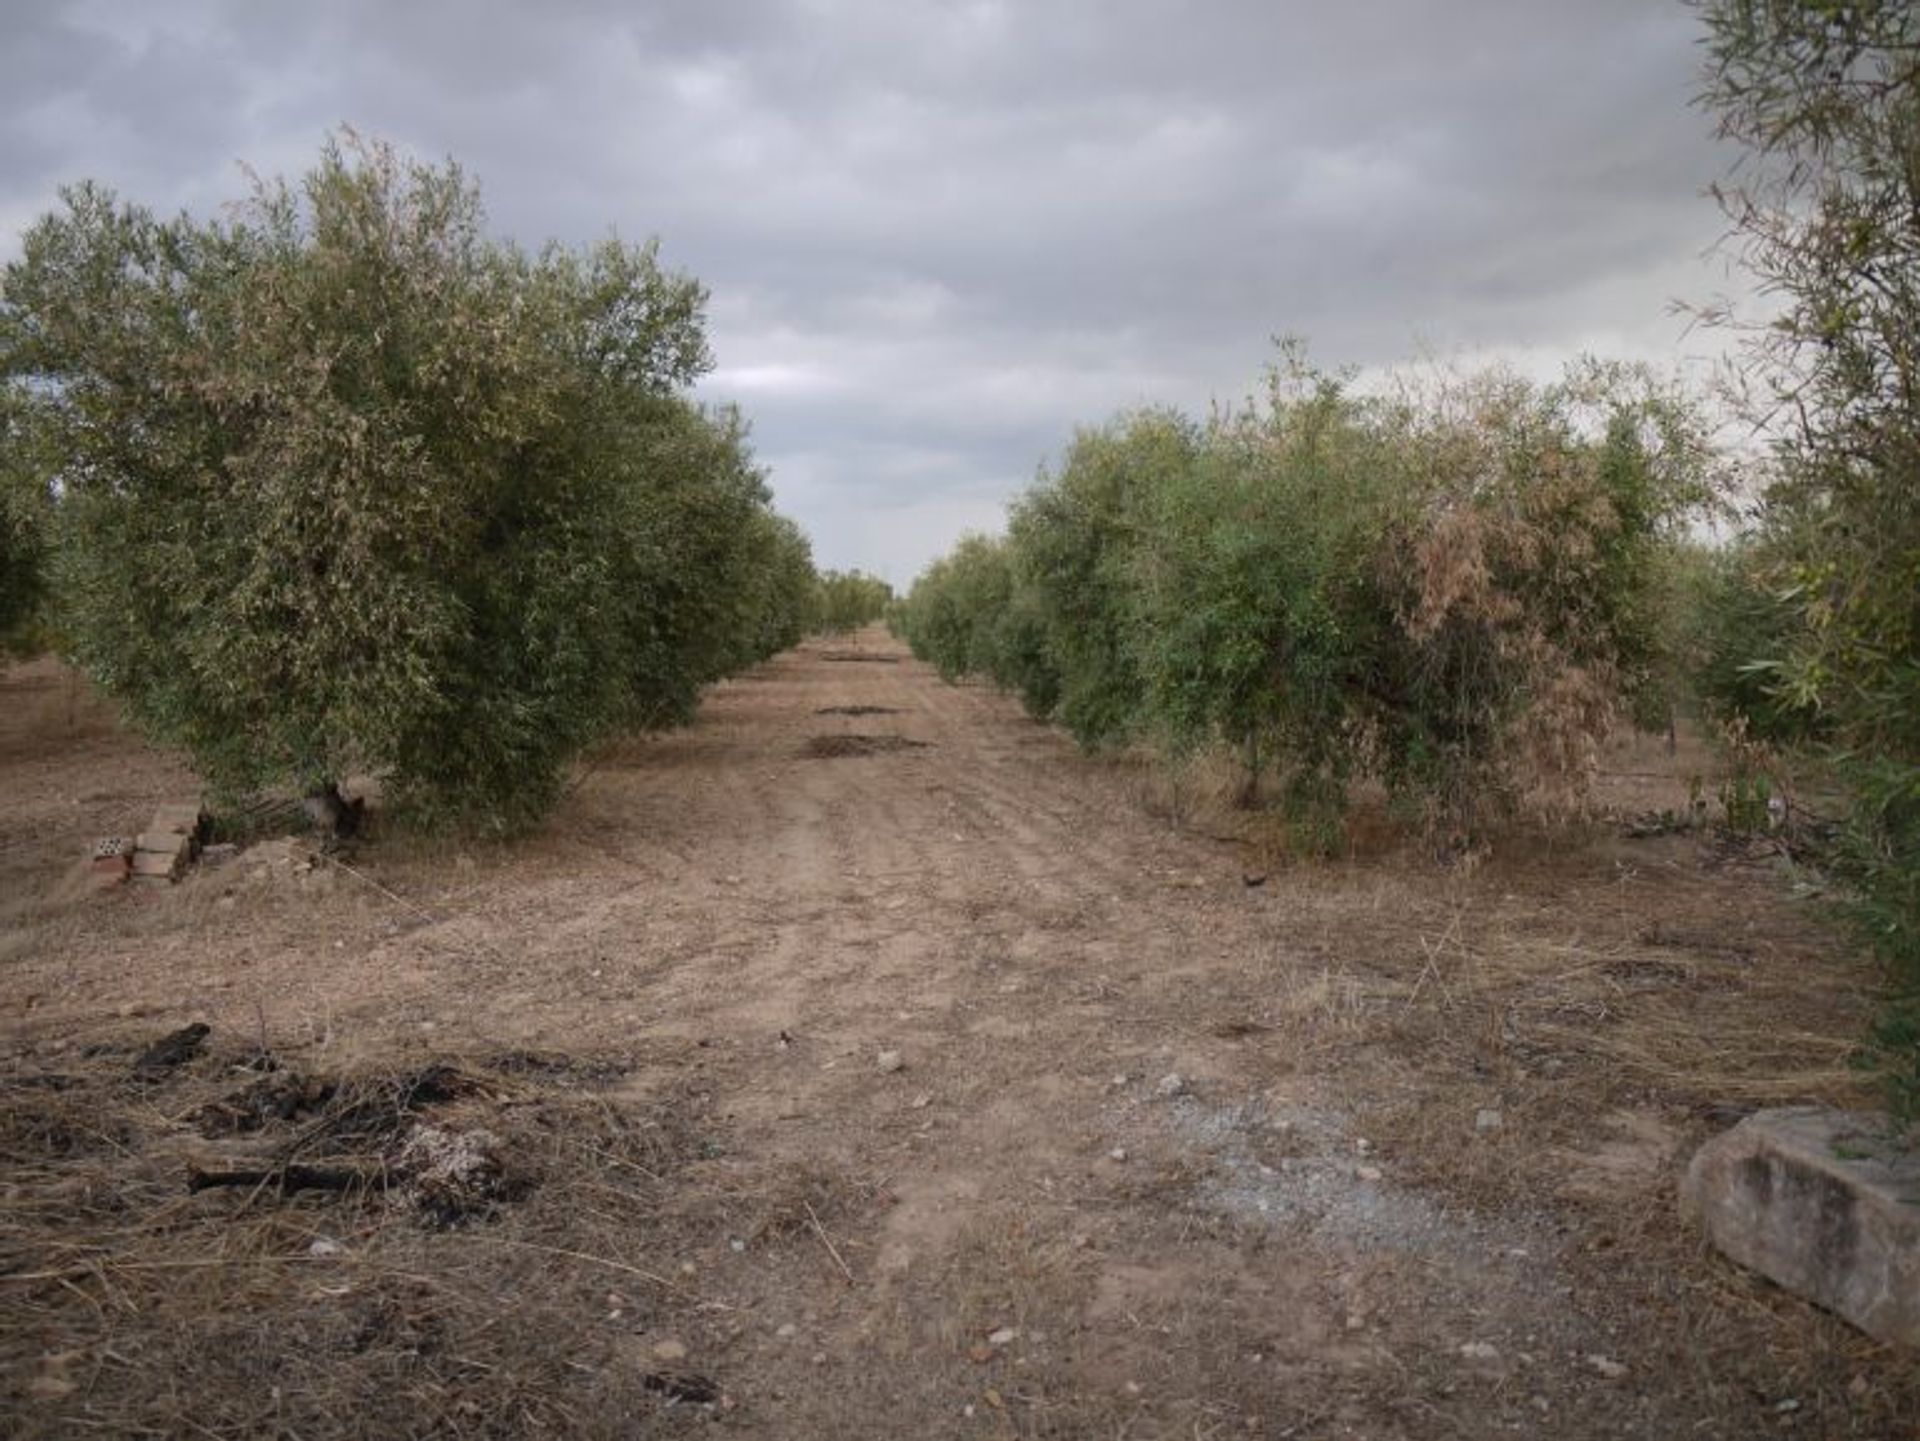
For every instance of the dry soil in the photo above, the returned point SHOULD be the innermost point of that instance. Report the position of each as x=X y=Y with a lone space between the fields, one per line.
x=986 y=1089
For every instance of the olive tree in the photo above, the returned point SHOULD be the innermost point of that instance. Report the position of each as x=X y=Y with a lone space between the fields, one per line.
x=347 y=485
x=1825 y=99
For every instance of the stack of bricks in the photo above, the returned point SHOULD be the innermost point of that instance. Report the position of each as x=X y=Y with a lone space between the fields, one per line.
x=164 y=850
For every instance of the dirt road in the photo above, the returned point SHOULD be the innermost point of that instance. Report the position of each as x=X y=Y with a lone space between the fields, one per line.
x=1021 y=1110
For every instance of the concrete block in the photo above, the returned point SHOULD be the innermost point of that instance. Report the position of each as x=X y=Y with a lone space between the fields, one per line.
x=164 y=843
x=1823 y=1203
x=159 y=865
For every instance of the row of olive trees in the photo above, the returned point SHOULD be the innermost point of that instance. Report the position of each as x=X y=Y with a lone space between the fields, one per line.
x=848 y=599
x=1451 y=589
x=340 y=484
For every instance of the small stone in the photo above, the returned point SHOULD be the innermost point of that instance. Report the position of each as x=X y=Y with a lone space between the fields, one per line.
x=819 y=1358
x=1005 y=1336
x=687 y=1268
x=1363 y=1145
x=1117 y=1082
x=922 y=1101
x=1355 y=1321
x=1606 y=1366
x=737 y=1245
x=669 y=1351
x=1480 y=1351
x=889 y=1062
x=1368 y=1173
x=1487 y=1119
x=787 y=1332
x=1170 y=1085
x=1788 y=1406
x=1118 y=1153
x=325 y=1246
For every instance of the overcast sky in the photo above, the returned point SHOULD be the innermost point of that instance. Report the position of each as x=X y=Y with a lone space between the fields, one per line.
x=941 y=234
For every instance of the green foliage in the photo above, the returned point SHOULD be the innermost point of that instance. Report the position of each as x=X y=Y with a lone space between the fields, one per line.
x=25 y=522
x=1451 y=589
x=344 y=484
x=1259 y=618
x=1826 y=100
x=1739 y=622
x=1077 y=536
x=847 y=600
x=950 y=618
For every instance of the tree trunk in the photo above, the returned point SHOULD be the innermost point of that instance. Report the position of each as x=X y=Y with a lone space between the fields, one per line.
x=332 y=814
x=1250 y=792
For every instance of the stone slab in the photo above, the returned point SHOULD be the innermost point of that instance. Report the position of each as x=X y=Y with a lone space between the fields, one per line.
x=1823 y=1203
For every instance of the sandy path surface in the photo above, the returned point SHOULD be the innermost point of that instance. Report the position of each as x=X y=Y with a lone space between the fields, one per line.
x=1106 y=1141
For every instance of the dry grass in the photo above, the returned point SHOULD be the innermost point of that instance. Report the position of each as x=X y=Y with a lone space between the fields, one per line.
x=140 y=1306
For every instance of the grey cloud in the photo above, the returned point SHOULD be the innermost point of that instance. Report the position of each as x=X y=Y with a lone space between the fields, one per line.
x=941 y=234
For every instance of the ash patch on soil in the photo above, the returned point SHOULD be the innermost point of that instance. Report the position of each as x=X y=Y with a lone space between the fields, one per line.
x=832 y=747
x=1303 y=1168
